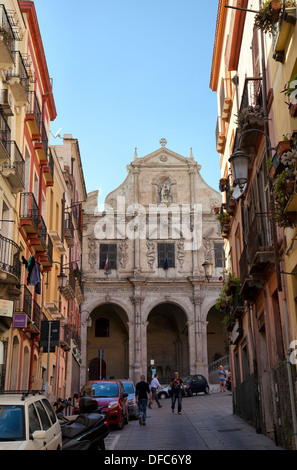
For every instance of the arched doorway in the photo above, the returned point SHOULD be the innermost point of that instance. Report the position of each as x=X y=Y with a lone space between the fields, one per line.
x=167 y=341
x=216 y=335
x=107 y=343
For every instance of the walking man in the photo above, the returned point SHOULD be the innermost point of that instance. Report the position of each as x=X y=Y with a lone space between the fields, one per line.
x=176 y=387
x=155 y=385
x=142 y=396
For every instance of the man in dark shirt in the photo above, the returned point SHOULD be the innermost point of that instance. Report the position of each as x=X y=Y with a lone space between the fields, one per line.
x=142 y=396
x=176 y=387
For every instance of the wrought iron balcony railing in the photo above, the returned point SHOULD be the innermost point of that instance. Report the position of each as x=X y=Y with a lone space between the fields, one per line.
x=29 y=208
x=5 y=139
x=24 y=303
x=16 y=165
x=33 y=108
x=19 y=70
x=10 y=257
x=6 y=28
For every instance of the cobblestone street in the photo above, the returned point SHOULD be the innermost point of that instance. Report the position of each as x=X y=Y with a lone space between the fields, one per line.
x=206 y=423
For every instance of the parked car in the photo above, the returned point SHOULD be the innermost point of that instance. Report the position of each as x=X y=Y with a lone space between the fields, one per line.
x=129 y=388
x=195 y=384
x=110 y=395
x=164 y=392
x=28 y=422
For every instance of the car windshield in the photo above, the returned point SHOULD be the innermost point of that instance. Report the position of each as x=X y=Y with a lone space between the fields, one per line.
x=105 y=390
x=12 y=423
x=129 y=387
x=187 y=378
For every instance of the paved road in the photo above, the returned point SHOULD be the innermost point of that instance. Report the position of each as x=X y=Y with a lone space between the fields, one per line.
x=206 y=423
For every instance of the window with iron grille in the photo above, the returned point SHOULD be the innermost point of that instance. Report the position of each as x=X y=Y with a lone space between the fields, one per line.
x=108 y=256
x=166 y=251
x=219 y=255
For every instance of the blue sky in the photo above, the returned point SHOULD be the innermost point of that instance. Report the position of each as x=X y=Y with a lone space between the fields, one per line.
x=127 y=73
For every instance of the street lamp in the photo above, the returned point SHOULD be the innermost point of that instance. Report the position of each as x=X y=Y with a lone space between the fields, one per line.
x=240 y=166
x=208 y=265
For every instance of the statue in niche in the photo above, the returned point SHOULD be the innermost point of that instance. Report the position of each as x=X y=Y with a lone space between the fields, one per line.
x=165 y=191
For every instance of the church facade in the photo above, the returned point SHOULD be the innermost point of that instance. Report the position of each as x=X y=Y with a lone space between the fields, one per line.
x=147 y=301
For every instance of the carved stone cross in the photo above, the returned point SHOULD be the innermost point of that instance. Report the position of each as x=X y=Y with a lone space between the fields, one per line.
x=163 y=142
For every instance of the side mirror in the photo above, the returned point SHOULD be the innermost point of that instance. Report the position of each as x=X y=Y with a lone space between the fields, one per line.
x=39 y=435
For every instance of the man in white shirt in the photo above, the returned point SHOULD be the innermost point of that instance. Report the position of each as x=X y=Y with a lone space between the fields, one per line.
x=155 y=384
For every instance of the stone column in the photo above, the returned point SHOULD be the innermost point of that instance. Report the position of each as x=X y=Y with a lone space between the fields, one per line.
x=197 y=301
x=137 y=301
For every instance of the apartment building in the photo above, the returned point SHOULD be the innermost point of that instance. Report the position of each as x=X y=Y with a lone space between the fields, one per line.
x=252 y=61
x=41 y=191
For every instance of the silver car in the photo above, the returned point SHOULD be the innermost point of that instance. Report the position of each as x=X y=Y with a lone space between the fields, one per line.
x=129 y=388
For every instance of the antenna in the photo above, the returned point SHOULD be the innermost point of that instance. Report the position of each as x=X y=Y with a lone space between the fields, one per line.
x=57 y=134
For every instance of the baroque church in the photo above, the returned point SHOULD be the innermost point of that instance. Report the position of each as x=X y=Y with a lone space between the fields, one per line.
x=147 y=300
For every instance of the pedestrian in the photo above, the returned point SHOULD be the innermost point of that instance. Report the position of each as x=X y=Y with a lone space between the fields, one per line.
x=176 y=388
x=142 y=395
x=222 y=378
x=155 y=385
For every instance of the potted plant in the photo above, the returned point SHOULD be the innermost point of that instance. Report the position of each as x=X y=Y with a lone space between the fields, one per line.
x=223 y=184
x=224 y=218
x=290 y=91
x=268 y=16
x=283 y=188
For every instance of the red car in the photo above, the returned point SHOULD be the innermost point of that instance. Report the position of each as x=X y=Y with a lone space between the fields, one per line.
x=111 y=395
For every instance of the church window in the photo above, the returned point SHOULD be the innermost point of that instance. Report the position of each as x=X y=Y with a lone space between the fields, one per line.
x=166 y=255
x=108 y=256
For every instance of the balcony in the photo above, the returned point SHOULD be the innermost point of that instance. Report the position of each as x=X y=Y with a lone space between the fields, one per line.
x=18 y=79
x=14 y=171
x=23 y=306
x=69 y=230
x=260 y=244
x=33 y=116
x=6 y=103
x=65 y=342
x=68 y=290
x=226 y=99
x=10 y=265
x=250 y=115
x=7 y=39
x=57 y=242
x=41 y=146
x=5 y=139
x=46 y=258
x=48 y=170
x=283 y=31
x=220 y=135
x=79 y=289
x=29 y=214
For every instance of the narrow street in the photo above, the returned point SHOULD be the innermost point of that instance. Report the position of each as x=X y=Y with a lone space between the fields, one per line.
x=206 y=423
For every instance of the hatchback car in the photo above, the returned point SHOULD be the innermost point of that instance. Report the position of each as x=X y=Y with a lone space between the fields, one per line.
x=129 y=388
x=164 y=392
x=28 y=422
x=111 y=396
x=195 y=384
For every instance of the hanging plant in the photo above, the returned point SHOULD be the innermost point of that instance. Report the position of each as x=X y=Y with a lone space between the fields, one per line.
x=268 y=16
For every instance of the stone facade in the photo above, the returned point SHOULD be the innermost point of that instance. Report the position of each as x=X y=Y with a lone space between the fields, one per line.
x=143 y=274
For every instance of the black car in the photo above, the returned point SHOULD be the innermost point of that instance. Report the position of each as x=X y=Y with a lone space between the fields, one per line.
x=196 y=383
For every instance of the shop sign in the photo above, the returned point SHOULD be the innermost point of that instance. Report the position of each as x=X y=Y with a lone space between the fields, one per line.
x=6 y=308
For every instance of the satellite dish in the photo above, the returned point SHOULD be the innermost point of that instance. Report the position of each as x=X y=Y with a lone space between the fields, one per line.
x=238 y=192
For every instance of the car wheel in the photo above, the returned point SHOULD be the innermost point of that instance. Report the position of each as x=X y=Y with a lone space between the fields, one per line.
x=206 y=390
x=121 y=423
x=162 y=395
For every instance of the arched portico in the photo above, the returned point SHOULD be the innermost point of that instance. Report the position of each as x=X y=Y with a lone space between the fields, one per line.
x=168 y=340
x=107 y=352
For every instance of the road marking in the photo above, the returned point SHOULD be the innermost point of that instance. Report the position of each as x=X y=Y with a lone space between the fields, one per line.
x=114 y=441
